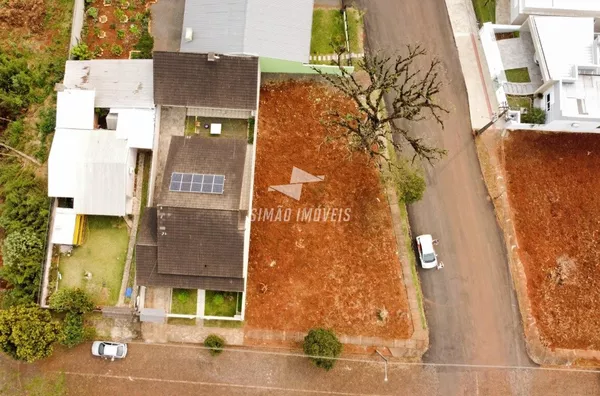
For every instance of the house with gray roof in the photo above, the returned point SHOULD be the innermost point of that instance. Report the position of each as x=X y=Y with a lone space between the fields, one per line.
x=196 y=234
x=266 y=28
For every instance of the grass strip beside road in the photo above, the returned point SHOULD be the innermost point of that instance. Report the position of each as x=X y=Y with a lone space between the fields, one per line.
x=485 y=10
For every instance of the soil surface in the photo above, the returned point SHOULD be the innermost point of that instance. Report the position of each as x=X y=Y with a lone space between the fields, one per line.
x=553 y=188
x=27 y=14
x=335 y=273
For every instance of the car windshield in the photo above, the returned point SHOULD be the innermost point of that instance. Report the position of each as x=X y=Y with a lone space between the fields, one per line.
x=429 y=257
x=101 y=349
x=120 y=351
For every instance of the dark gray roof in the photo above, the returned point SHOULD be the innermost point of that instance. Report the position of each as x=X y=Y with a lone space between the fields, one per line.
x=191 y=80
x=205 y=155
x=197 y=249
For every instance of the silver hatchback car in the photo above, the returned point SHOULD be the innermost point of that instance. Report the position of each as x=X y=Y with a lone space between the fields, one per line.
x=109 y=350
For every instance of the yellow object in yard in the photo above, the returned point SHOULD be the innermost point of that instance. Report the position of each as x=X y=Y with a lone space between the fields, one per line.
x=79 y=230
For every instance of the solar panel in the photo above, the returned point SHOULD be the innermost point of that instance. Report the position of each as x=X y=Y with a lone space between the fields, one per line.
x=197 y=183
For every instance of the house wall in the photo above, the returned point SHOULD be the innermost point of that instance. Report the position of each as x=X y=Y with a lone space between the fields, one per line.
x=219 y=113
x=271 y=65
x=493 y=60
x=521 y=9
x=559 y=126
x=131 y=163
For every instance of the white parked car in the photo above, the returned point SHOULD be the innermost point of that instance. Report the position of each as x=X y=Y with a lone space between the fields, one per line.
x=427 y=254
x=109 y=350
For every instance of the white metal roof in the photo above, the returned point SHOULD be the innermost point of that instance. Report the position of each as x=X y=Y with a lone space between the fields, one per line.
x=75 y=109
x=63 y=231
x=576 y=5
x=565 y=42
x=89 y=166
x=124 y=83
x=137 y=126
x=268 y=28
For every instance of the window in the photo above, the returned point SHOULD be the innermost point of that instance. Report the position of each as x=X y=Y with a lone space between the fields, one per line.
x=548 y=102
x=65 y=203
x=197 y=183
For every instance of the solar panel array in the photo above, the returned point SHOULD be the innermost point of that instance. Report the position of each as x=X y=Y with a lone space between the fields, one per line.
x=197 y=183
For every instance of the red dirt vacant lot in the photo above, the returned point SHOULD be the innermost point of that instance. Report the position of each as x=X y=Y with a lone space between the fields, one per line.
x=335 y=273
x=554 y=192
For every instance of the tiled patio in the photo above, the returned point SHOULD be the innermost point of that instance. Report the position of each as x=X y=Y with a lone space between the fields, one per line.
x=519 y=52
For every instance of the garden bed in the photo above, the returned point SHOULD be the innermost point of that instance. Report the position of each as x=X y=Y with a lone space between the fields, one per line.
x=221 y=303
x=184 y=301
x=102 y=255
x=553 y=191
x=115 y=28
x=334 y=274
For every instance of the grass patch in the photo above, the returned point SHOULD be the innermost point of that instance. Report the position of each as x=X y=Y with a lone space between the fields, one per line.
x=220 y=303
x=230 y=128
x=181 y=321
x=184 y=301
x=327 y=31
x=485 y=10
x=103 y=254
x=355 y=30
x=229 y=324
x=520 y=75
x=517 y=102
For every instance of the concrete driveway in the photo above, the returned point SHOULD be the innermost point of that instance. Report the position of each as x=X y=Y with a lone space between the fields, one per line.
x=470 y=304
x=167 y=24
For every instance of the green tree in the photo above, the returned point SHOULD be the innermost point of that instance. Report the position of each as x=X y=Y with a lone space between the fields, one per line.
x=23 y=254
x=215 y=343
x=71 y=300
x=15 y=85
x=27 y=332
x=322 y=343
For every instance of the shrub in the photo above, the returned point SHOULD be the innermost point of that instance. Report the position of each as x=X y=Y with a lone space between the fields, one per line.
x=72 y=332
x=116 y=49
x=324 y=343
x=534 y=116
x=81 y=52
x=134 y=30
x=412 y=187
x=47 y=122
x=71 y=300
x=120 y=34
x=145 y=46
x=14 y=132
x=112 y=26
x=92 y=12
x=215 y=344
x=119 y=14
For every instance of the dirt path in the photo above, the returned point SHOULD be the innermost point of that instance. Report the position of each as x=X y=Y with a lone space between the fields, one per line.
x=470 y=304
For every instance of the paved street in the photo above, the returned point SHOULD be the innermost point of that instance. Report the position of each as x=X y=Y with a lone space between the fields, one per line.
x=470 y=305
x=151 y=369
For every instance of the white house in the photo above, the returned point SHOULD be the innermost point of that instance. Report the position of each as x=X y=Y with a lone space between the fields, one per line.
x=104 y=115
x=521 y=9
x=564 y=56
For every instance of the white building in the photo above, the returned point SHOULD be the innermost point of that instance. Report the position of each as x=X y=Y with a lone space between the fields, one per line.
x=565 y=54
x=521 y=9
x=91 y=167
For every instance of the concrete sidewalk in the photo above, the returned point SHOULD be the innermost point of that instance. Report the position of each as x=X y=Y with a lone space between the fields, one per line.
x=480 y=87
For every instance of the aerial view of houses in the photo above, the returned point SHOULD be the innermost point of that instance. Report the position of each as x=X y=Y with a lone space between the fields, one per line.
x=304 y=196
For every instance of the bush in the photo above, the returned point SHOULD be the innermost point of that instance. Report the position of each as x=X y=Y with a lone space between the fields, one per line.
x=47 y=122
x=92 y=12
x=116 y=49
x=120 y=34
x=535 y=115
x=134 y=30
x=322 y=342
x=215 y=344
x=14 y=132
x=81 y=52
x=145 y=46
x=71 y=300
x=112 y=26
x=409 y=182
x=72 y=332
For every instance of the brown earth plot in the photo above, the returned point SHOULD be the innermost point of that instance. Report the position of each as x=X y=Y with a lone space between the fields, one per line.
x=337 y=272
x=554 y=191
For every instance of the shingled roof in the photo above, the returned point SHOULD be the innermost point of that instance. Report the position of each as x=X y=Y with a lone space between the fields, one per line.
x=190 y=248
x=191 y=80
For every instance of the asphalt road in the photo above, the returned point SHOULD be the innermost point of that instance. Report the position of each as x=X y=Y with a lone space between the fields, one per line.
x=151 y=369
x=470 y=305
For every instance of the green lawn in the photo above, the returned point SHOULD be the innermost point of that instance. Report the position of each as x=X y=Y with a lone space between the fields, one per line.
x=231 y=324
x=517 y=102
x=328 y=31
x=220 y=303
x=103 y=254
x=520 y=75
x=485 y=10
x=184 y=301
x=230 y=128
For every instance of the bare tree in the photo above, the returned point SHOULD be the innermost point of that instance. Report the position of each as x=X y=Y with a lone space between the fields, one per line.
x=414 y=98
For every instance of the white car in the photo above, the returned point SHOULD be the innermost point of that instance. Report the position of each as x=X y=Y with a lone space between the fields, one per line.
x=427 y=254
x=109 y=350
